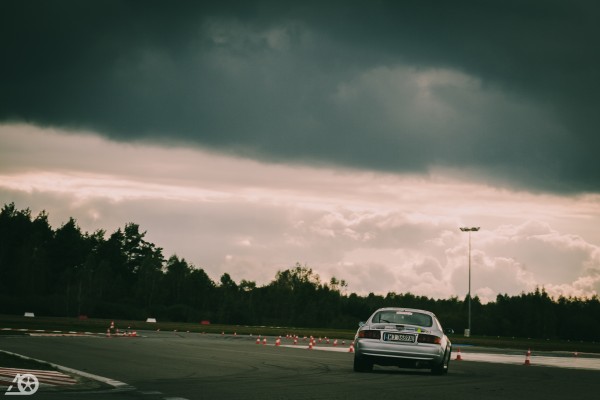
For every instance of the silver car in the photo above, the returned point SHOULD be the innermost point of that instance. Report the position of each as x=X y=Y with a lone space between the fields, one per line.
x=402 y=337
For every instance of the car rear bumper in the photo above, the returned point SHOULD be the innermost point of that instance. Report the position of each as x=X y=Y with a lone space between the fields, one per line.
x=380 y=352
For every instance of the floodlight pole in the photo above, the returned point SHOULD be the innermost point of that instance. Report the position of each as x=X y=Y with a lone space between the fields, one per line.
x=473 y=229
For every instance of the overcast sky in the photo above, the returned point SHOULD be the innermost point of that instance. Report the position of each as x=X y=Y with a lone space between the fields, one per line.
x=355 y=137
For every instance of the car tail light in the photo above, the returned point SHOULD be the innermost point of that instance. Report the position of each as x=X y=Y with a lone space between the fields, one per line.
x=424 y=338
x=368 y=334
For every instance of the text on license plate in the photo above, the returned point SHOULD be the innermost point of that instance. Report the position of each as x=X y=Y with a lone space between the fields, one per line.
x=398 y=337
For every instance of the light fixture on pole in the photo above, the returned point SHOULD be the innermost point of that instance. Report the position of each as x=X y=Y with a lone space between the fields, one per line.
x=465 y=229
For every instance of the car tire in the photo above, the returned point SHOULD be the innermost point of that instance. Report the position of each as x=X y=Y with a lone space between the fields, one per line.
x=442 y=368
x=362 y=365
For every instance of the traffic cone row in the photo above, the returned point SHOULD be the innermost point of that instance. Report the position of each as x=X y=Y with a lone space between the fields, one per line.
x=312 y=341
x=311 y=344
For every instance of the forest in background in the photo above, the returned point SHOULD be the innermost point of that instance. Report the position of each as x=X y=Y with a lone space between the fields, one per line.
x=67 y=272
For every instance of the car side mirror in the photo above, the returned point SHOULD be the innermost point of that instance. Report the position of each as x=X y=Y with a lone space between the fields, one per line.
x=361 y=324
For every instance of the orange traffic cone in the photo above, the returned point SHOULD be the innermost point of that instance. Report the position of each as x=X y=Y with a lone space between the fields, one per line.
x=351 y=348
x=528 y=357
x=458 y=356
x=278 y=342
x=108 y=332
x=264 y=341
x=295 y=341
x=310 y=345
x=257 y=340
x=335 y=342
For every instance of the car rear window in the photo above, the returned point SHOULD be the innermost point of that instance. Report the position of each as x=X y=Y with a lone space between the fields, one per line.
x=403 y=317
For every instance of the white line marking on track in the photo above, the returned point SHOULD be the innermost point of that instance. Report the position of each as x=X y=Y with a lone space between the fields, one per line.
x=50 y=378
x=318 y=348
x=546 y=361
x=111 y=382
x=40 y=373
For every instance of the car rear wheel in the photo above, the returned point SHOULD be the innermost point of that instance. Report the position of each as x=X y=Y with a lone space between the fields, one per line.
x=362 y=365
x=442 y=368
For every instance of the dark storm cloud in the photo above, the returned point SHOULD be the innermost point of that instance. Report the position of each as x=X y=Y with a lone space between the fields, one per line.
x=507 y=89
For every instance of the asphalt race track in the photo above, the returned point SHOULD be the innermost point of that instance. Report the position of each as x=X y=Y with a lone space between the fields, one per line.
x=172 y=365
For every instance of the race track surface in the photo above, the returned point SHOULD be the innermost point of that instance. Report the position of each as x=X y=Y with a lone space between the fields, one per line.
x=171 y=365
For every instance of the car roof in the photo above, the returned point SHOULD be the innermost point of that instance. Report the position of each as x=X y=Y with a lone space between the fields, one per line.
x=405 y=309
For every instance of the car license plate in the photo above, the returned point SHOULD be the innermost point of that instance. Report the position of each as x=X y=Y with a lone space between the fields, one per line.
x=398 y=337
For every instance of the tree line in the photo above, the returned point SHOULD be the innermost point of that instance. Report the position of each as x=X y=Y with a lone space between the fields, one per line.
x=67 y=272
